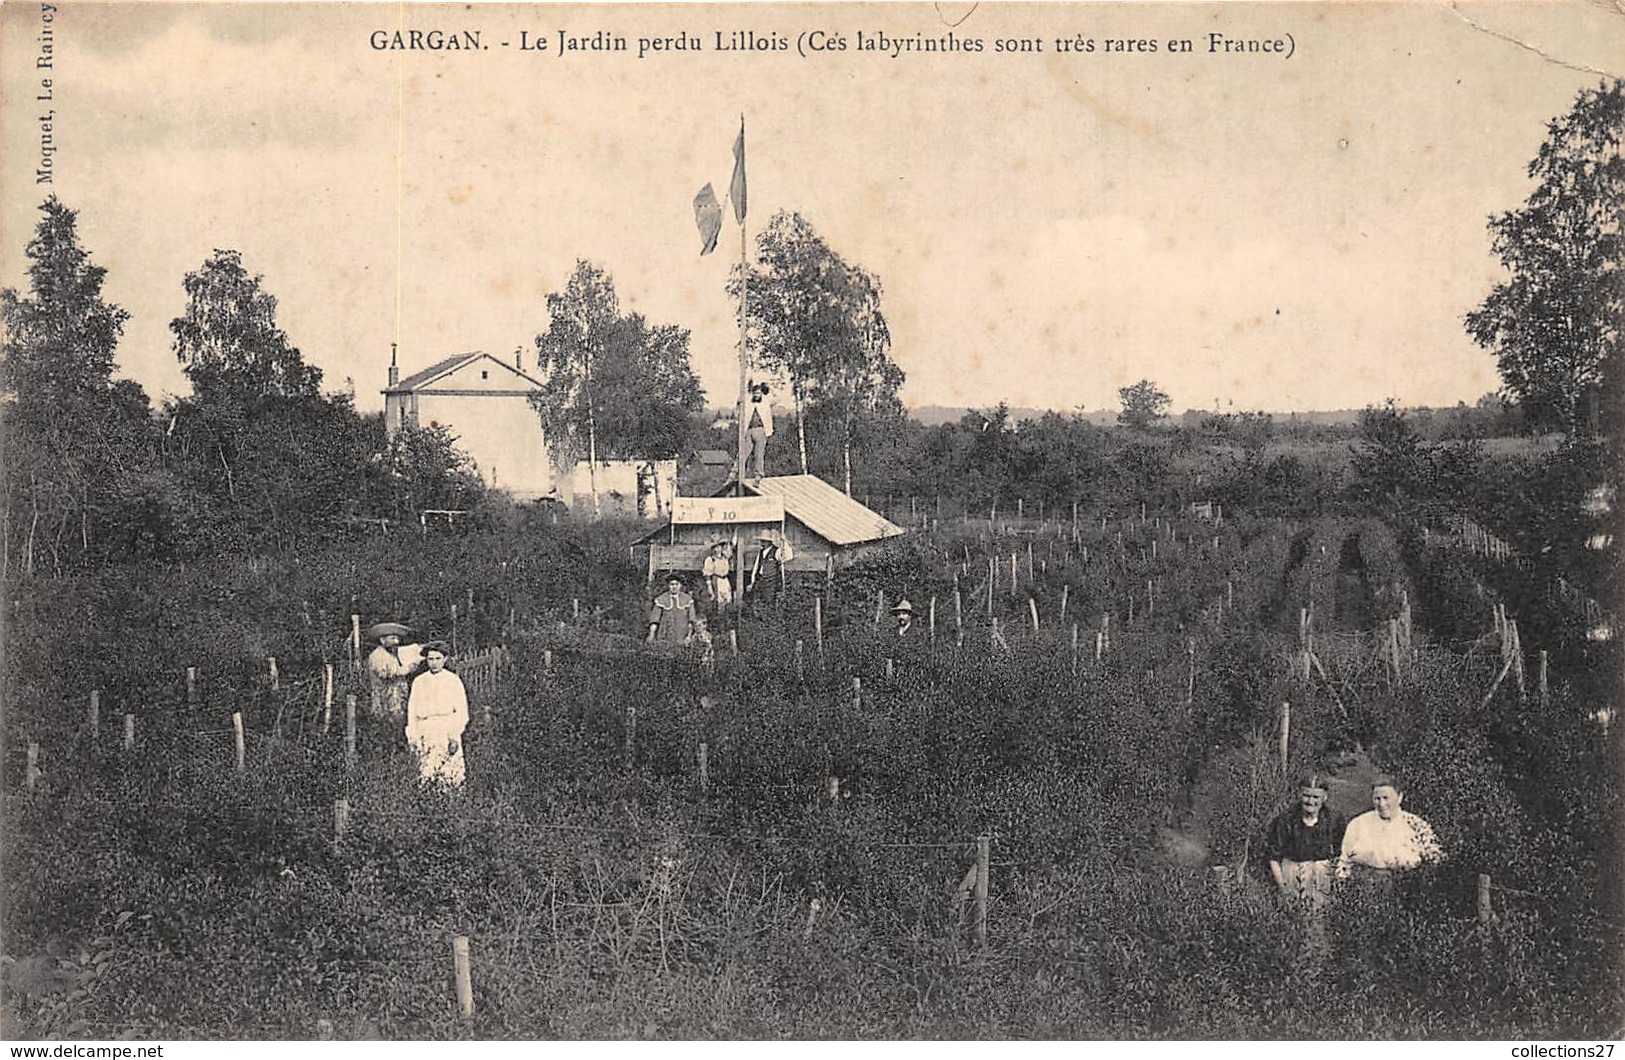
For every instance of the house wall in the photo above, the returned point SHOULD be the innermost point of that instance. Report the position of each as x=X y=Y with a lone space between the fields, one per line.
x=488 y=411
x=618 y=488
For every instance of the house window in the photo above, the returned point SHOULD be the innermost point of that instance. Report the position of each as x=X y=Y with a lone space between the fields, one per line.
x=484 y=374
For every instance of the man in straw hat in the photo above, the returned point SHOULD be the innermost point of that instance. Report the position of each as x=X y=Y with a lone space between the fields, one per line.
x=391 y=666
x=767 y=575
x=1302 y=843
x=904 y=612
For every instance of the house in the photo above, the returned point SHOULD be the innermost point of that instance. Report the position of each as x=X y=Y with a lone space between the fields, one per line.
x=825 y=527
x=485 y=403
x=641 y=488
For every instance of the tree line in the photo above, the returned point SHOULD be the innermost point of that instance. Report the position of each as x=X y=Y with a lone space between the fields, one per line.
x=257 y=457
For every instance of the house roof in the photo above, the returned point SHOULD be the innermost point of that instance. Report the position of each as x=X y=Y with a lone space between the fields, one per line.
x=435 y=372
x=825 y=510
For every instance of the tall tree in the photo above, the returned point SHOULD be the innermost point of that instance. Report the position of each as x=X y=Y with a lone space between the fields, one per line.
x=269 y=456
x=1391 y=461
x=229 y=342
x=817 y=320
x=75 y=439
x=614 y=387
x=1143 y=404
x=1555 y=323
x=60 y=339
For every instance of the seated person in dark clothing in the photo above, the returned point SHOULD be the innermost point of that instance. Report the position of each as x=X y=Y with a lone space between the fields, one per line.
x=1303 y=844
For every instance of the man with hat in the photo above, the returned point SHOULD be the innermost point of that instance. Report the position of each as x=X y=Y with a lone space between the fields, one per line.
x=671 y=619
x=759 y=429
x=905 y=617
x=391 y=666
x=768 y=574
x=1302 y=843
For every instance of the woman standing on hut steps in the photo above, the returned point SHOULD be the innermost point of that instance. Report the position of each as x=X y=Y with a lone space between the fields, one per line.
x=436 y=716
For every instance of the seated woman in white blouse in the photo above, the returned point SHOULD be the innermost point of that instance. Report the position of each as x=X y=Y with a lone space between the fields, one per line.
x=1386 y=839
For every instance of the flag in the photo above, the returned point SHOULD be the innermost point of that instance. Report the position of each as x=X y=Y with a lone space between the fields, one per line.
x=736 y=190
x=708 y=215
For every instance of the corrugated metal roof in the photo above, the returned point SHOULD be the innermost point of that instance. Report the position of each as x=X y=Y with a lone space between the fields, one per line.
x=825 y=510
x=419 y=380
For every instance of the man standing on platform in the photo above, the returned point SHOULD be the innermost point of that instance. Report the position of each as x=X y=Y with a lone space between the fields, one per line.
x=759 y=428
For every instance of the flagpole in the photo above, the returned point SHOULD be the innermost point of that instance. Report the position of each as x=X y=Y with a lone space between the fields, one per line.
x=744 y=376
x=744 y=282
x=744 y=370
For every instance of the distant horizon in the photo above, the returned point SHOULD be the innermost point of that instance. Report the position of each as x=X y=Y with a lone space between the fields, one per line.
x=1306 y=231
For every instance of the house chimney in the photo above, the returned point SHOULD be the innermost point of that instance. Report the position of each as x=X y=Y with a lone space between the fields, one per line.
x=394 y=370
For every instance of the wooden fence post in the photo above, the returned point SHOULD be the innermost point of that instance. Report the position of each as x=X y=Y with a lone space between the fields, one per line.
x=733 y=641
x=705 y=766
x=33 y=765
x=1286 y=732
x=129 y=732
x=547 y=662
x=191 y=685
x=890 y=670
x=349 y=731
x=454 y=629
x=464 y=976
x=631 y=735
x=276 y=679
x=355 y=641
x=857 y=692
x=96 y=709
x=1190 y=682
x=931 y=619
x=801 y=670
x=1032 y=608
x=327 y=697
x=983 y=853
x=1485 y=910
x=1074 y=649
x=1545 y=691
x=1064 y=592
x=238 y=739
x=818 y=626
x=341 y=818
x=832 y=787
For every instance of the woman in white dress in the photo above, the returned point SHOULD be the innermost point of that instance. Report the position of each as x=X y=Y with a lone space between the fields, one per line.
x=436 y=715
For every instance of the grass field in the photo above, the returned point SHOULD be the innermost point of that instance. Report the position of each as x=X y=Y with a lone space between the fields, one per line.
x=606 y=893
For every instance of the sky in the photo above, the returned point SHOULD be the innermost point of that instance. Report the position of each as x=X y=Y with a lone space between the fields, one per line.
x=1249 y=231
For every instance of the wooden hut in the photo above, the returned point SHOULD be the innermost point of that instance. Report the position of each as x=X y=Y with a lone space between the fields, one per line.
x=825 y=528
